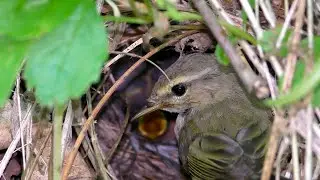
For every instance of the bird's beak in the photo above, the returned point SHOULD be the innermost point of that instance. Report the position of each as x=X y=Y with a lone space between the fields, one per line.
x=148 y=110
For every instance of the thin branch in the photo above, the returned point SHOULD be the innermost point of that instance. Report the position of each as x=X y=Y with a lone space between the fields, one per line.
x=282 y=149
x=148 y=60
x=271 y=82
x=254 y=22
x=316 y=170
x=122 y=131
x=268 y=13
x=250 y=52
x=35 y=161
x=301 y=128
x=309 y=111
x=17 y=96
x=66 y=129
x=292 y=57
x=95 y=144
x=128 y=49
x=14 y=143
x=219 y=9
x=272 y=147
x=244 y=71
x=286 y=24
x=295 y=155
x=308 y=156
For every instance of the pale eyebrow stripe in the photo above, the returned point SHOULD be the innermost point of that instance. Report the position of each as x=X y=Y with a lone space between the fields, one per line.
x=163 y=90
x=198 y=75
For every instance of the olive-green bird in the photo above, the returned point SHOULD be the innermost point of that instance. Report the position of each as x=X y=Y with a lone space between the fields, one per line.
x=221 y=133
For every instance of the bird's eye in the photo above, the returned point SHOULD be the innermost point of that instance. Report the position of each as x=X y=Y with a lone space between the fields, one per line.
x=179 y=89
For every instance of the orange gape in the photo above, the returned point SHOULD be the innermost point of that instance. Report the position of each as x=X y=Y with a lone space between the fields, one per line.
x=153 y=125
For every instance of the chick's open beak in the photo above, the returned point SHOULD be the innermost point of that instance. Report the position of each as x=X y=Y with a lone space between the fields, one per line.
x=151 y=122
x=147 y=111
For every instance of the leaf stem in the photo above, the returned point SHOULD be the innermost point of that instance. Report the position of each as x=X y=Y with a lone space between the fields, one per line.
x=57 y=146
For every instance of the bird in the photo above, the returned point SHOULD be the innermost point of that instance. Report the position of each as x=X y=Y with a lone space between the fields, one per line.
x=222 y=131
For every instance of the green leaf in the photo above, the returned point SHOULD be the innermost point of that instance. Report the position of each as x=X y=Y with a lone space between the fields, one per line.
x=307 y=85
x=298 y=75
x=244 y=18
x=252 y=3
x=67 y=60
x=12 y=53
x=26 y=19
x=316 y=45
x=172 y=12
x=237 y=32
x=131 y=20
x=222 y=58
x=304 y=46
x=269 y=39
x=280 y=81
x=316 y=97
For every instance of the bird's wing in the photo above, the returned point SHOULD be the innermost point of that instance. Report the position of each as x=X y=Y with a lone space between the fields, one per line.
x=253 y=140
x=220 y=157
x=213 y=156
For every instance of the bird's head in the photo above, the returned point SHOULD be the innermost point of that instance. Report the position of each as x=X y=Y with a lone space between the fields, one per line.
x=193 y=80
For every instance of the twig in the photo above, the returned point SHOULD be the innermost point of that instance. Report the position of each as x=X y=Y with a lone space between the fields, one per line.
x=148 y=60
x=254 y=59
x=122 y=131
x=286 y=24
x=17 y=96
x=292 y=57
x=95 y=144
x=250 y=52
x=114 y=7
x=99 y=5
x=96 y=110
x=268 y=13
x=272 y=147
x=244 y=71
x=86 y=144
x=29 y=135
x=286 y=7
x=14 y=143
x=66 y=129
x=35 y=161
x=257 y=13
x=309 y=112
x=217 y=6
x=271 y=82
x=257 y=28
x=316 y=170
x=118 y=26
x=301 y=128
x=128 y=49
x=254 y=22
x=295 y=155
x=308 y=156
x=283 y=147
